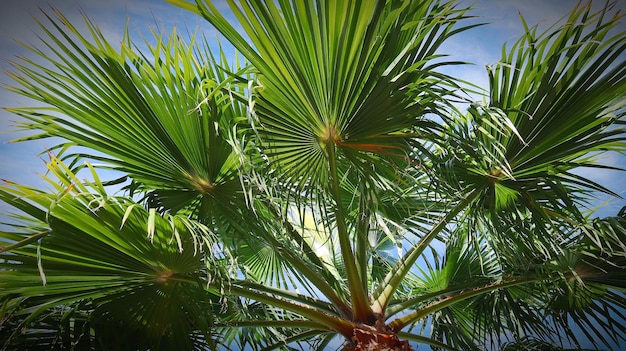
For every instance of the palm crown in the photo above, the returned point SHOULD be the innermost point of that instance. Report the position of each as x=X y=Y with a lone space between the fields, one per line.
x=301 y=191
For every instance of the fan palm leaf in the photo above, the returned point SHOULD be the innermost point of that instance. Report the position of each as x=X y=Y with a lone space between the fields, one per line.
x=558 y=94
x=317 y=87
x=138 y=111
x=109 y=258
x=521 y=149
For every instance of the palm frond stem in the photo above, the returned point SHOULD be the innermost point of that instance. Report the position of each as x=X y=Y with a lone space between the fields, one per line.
x=401 y=322
x=403 y=267
x=334 y=323
x=313 y=275
x=360 y=304
x=327 y=284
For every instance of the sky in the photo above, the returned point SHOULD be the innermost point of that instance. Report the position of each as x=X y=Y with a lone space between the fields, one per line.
x=481 y=46
x=21 y=163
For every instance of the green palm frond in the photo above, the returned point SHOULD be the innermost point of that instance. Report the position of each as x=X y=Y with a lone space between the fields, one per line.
x=534 y=344
x=575 y=300
x=107 y=259
x=563 y=92
x=516 y=292
x=554 y=295
x=356 y=74
x=162 y=116
x=522 y=150
x=556 y=101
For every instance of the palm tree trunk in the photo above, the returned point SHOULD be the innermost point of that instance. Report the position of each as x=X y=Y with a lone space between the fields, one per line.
x=379 y=338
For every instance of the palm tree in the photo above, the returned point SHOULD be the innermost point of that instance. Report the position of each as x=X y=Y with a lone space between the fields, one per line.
x=319 y=184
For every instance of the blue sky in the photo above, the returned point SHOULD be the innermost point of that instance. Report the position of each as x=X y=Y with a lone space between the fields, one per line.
x=19 y=161
x=481 y=46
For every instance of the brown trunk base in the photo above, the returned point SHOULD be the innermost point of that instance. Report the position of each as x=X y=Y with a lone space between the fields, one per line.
x=366 y=339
